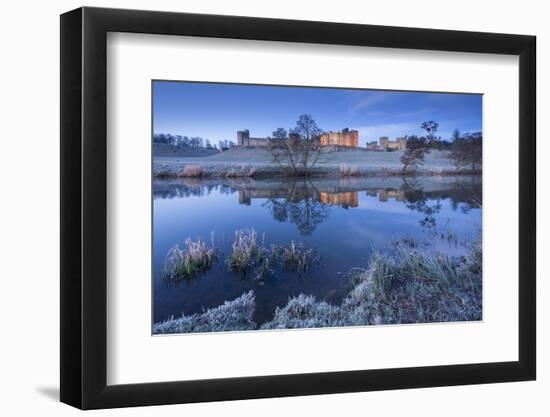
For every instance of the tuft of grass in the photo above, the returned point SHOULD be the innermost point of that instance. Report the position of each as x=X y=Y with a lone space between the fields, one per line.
x=246 y=250
x=296 y=257
x=232 y=173
x=241 y=171
x=349 y=171
x=231 y=315
x=192 y=171
x=304 y=311
x=185 y=263
x=248 y=253
x=164 y=173
x=381 y=274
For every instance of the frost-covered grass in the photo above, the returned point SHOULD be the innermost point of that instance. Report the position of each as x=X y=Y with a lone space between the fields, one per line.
x=410 y=287
x=304 y=311
x=349 y=171
x=296 y=257
x=192 y=171
x=185 y=263
x=246 y=251
x=231 y=315
x=241 y=171
x=250 y=254
x=257 y=162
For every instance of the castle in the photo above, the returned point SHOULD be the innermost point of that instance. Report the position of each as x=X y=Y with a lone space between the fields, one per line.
x=345 y=199
x=346 y=137
x=385 y=144
x=244 y=139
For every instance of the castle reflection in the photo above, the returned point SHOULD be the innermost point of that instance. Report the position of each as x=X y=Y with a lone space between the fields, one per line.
x=346 y=199
x=387 y=193
x=307 y=202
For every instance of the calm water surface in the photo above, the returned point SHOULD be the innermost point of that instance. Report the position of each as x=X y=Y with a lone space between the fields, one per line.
x=344 y=219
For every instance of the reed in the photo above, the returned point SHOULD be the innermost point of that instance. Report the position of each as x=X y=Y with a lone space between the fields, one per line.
x=247 y=252
x=185 y=263
x=296 y=257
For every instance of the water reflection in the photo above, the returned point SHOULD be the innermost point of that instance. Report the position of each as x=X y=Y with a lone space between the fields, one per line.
x=346 y=199
x=345 y=219
x=300 y=205
x=306 y=203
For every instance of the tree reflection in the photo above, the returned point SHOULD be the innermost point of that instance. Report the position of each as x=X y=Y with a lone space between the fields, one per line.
x=186 y=188
x=307 y=202
x=463 y=196
x=301 y=206
x=417 y=200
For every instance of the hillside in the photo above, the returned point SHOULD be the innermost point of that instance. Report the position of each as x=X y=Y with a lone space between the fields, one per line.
x=163 y=149
x=240 y=161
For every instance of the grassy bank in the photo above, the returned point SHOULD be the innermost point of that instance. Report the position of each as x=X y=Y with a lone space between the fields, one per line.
x=257 y=163
x=232 y=315
x=409 y=287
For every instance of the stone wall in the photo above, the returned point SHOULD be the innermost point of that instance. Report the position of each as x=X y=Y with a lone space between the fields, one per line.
x=398 y=144
x=346 y=137
x=244 y=139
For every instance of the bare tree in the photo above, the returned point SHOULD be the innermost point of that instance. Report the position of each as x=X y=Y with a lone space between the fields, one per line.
x=284 y=153
x=431 y=129
x=414 y=152
x=300 y=151
x=466 y=150
x=280 y=133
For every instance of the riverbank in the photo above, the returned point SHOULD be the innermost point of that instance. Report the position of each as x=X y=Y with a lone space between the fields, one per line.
x=409 y=287
x=257 y=163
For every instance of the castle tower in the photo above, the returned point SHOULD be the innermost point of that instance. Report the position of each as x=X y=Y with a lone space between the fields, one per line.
x=346 y=137
x=402 y=143
x=243 y=137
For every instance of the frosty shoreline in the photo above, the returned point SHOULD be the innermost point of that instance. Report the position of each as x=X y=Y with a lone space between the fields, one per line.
x=257 y=163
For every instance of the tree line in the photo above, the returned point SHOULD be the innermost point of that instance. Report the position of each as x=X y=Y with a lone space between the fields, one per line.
x=464 y=150
x=194 y=142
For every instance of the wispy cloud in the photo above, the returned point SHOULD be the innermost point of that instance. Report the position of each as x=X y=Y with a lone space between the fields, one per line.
x=366 y=100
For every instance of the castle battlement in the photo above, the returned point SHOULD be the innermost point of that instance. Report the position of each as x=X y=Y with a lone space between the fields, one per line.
x=346 y=137
x=385 y=143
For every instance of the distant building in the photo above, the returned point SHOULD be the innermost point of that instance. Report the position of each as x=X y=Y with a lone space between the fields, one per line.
x=344 y=199
x=386 y=193
x=397 y=144
x=346 y=137
x=373 y=146
x=244 y=139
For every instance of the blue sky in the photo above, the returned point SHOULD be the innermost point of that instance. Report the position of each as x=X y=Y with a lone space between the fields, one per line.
x=217 y=111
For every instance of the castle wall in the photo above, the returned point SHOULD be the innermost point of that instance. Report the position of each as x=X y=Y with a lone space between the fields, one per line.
x=399 y=143
x=258 y=142
x=244 y=139
x=343 y=199
x=348 y=138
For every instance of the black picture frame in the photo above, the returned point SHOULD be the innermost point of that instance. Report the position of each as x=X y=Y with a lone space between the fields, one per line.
x=84 y=207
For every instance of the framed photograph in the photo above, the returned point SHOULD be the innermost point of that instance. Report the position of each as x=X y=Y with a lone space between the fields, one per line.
x=256 y=208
